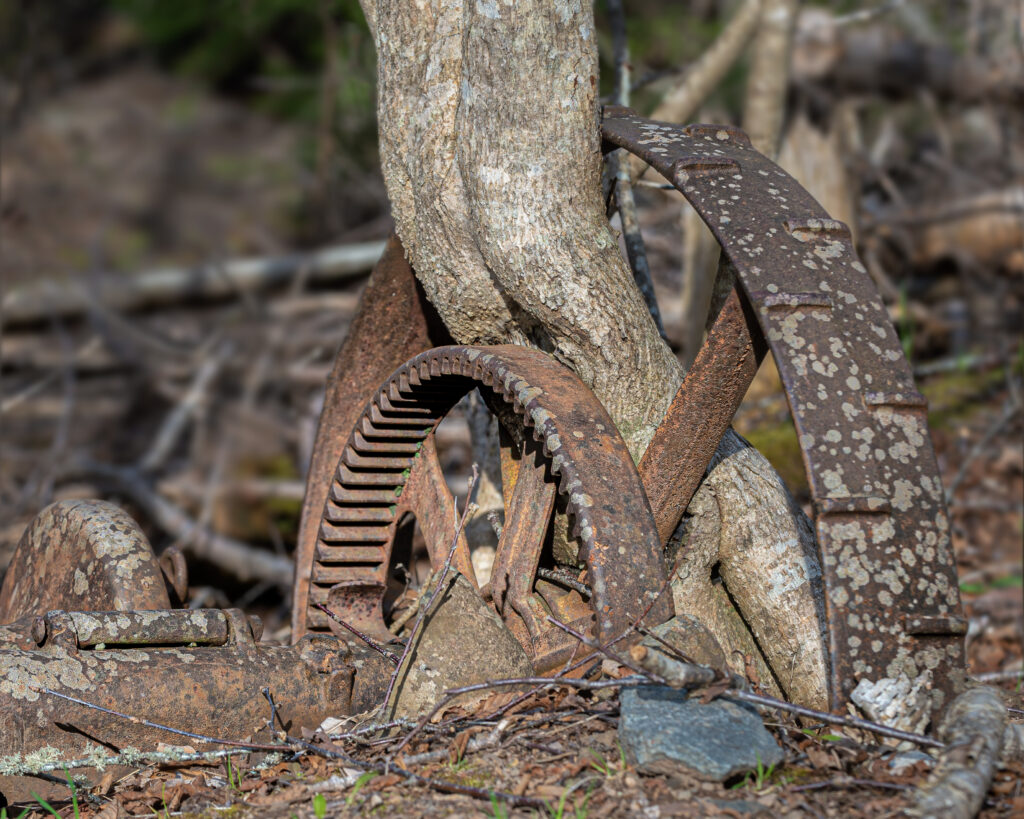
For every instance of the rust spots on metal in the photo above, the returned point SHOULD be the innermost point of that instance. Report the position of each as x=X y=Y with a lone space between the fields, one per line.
x=388 y=468
x=394 y=322
x=82 y=554
x=881 y=520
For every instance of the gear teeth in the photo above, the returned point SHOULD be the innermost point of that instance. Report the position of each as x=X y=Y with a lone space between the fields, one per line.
x=367 y=447
x=360 y=518
x=339 y=557
x=356 y=460
x=331 y=533
x=341 y=494
x=359 y=514
x=348 y=478
x=372 y=430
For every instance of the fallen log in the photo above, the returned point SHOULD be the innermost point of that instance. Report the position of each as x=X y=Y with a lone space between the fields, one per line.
x=51 y=299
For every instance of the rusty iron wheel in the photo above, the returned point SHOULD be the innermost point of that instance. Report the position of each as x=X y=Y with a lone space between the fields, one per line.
x=389 y=473
x=892 y=600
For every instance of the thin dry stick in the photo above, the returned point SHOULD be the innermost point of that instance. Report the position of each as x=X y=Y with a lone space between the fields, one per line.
x=683 y=101
x=132 y=757
x=771 y=702
x=442 y=785
x=241 y=559
x=252 y=746
x=593 y=644
x=366 y=638
x=440 y=582
x=540 y=682
x=171 y=285
x=177 y=419
x=623 y=188
x=1009 y=411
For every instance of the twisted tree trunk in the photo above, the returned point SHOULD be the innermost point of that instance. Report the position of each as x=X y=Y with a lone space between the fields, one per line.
x=490 y=149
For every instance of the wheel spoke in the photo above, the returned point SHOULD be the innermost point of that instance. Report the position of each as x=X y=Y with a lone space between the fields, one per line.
x=526 y=523
x=427 y=496
x=700 y=413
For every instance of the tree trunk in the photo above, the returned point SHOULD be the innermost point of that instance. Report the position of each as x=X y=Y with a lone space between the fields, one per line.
x=490 y=149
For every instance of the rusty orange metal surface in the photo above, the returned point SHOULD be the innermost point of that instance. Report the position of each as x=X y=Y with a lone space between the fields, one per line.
x=82 y=554
x=394 y=322
x=677 y=458
x=892 y=601
x=391 y=444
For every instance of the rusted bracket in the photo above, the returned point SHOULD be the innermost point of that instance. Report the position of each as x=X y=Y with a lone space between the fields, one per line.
x=892 y=600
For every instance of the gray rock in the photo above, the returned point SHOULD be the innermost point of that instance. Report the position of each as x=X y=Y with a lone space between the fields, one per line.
x=462 y=641
x=661 y=730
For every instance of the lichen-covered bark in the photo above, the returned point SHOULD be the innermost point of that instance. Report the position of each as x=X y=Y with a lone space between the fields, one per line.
x=491 y=154
x=494 y=183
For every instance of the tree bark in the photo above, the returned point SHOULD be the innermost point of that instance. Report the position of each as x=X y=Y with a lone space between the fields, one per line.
x=490 y=149
x=494 y=182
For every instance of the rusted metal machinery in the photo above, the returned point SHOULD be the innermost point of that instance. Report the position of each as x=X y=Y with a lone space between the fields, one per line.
x=86 y=600
x=893 y=606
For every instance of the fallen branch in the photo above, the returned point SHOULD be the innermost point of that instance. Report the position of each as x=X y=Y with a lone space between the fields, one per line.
x=682 y=102
x=242 y=560
x=768 y=75
x=974 y=727
x=173 y=285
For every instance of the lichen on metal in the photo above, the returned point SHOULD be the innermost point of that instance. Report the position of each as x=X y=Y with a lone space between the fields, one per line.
x=388 y=469
x=880 y=514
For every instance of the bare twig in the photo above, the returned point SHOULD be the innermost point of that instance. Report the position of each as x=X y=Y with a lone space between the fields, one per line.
x=242 y=560
x=366 y=638
x=849 y=782
x=682 y=102
x=27 y=766
x=771 y=702
x=999 y=676
x=442 y=785
x=1009 y=412
x=541 y=683
x=174 y=424
x=424 y=609
x=252 y=746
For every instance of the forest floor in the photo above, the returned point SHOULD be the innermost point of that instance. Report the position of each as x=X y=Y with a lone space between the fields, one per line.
x=109 y=383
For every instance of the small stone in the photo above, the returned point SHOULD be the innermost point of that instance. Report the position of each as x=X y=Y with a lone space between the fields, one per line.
x=898 y=763
x=692 y=638
x=662 y=730
x=462 y=641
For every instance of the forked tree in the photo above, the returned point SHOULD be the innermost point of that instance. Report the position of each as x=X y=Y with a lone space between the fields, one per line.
x=491 y=152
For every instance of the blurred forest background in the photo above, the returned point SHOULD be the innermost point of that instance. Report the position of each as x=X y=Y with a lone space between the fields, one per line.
x=153 y=150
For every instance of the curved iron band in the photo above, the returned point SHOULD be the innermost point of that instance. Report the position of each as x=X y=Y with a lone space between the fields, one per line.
x=82 y=554
x=892 y=599
x=393 y=323
x=605 y=499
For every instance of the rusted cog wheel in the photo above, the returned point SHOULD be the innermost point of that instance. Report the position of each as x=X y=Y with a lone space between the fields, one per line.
x=389 y=471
